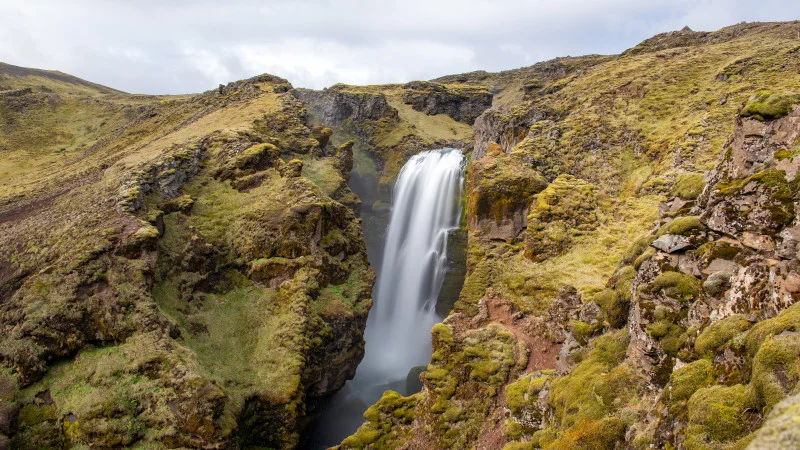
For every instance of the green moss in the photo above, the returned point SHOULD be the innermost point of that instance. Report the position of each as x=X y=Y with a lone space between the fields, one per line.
x=31 y=414
x=670 y=336
x=615 y=301
x=514 y=430
x=639 y=246
x=582 y=331
x=591 y=434
x=776 y=369
x=716 y=416
x=387 y=423
x=765 y=105
x=688 y=185
x=527 y=445
x=783 y=154
x=596 y=385
x=787 y=320
x=676 y=285
x=682 y=226
x=544 y=437
x=719 y=333
x=516 y=393
x=684 y=382
x=524 y=392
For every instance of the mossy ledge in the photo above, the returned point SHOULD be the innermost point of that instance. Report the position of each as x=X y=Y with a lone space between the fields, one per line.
x=193 y=289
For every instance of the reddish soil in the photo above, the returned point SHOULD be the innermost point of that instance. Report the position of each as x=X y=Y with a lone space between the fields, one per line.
x=543 y=351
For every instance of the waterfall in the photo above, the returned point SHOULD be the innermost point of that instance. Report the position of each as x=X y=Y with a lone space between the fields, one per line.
x=425 y=208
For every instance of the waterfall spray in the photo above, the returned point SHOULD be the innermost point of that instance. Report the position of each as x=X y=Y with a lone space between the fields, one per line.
x=425 y=208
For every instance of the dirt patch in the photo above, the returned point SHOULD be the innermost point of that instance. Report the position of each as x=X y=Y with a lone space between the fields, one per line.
x=493 y=433
x=530 y=330
x=24 y=210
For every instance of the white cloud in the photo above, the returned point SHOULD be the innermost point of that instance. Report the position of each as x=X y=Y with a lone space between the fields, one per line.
x=189 y=46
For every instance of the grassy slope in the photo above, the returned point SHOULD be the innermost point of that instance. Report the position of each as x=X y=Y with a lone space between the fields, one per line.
x=628 y=124
x=71 y=150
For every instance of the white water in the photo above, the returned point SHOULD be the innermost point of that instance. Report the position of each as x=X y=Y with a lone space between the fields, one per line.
x=426 y=206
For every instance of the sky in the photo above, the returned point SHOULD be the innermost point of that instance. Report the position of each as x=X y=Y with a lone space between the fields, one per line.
x=183 y=46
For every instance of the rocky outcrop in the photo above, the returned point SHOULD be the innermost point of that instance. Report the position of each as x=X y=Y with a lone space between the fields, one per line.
x=336 y=104
x=499 y=188
x=195 y=295
x=463 y=103
x=503 y=128
x=560 y=213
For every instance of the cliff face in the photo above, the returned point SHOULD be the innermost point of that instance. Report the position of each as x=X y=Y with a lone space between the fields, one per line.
x=631 y=262
x=463 y=103
x=187 y=271
x=186 y=278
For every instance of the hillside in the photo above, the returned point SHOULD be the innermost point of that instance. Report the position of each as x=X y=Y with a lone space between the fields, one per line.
x=190 y=271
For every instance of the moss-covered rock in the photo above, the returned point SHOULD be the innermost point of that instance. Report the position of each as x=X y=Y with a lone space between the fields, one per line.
x=776 y=368
x=719 y=333
x=766 y=105
x=597 y=386
x=717 y=416
x=558 y=214
x=499 y=190
x=387 y=423
x=688 y=185
x=675 y=285
x=684 y=382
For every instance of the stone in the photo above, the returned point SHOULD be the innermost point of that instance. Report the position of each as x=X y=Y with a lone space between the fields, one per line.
x=671 y=243
x=717 y=283
x=758 y=241
x=721 y=265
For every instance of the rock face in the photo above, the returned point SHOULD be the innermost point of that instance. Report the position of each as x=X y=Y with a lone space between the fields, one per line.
x=500 y=128
x=194 y=293
x=336 y=104
x=500 y=186
x=462 y=103
x=682 y=334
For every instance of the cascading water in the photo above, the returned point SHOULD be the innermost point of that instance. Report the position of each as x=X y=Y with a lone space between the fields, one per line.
x=426 y=207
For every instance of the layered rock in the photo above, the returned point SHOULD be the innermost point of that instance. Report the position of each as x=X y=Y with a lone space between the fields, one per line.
x=195 y=293
x=681 y=340
x=337 y=104
x=463 y=103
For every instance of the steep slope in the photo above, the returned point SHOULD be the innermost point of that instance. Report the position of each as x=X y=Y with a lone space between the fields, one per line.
x=171 y=276
x=583 y=325
x=186 y=271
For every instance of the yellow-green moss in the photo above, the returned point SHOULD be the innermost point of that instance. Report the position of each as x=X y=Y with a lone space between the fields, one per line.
x=682 y=226
x=719 y=333
x=615 y=301
x=776 y=369
x=597 y=385
x=591 y=434
x=523 y=392
x=387 y=423
x=684 y=382
x=788 y=320
x=765 y=105
x=716 y=416
x=675 y=284
x=688 y=185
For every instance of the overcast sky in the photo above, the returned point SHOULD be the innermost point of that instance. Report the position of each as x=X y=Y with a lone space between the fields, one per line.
x=158 y=47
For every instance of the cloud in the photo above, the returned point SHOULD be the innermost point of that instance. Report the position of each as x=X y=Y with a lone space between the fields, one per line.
x=149 y=46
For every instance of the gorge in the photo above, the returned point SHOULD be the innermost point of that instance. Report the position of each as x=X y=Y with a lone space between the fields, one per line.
x=217 y=270
x=426 y=209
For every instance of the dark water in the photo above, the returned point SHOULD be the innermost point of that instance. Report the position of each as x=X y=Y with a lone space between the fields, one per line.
x=411 y=245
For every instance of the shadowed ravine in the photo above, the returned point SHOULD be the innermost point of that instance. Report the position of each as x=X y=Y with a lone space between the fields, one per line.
x=426 y=209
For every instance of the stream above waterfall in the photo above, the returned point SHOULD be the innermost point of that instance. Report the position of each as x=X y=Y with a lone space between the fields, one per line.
x=415 y=264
